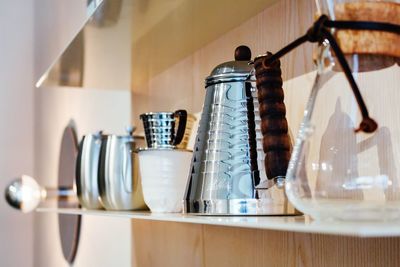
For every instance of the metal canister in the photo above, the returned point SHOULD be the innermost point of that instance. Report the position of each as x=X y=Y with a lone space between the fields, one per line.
x=87 y=166
x=119 y=181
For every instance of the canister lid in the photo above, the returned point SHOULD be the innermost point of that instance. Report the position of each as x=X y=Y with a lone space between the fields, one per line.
x=239 y=69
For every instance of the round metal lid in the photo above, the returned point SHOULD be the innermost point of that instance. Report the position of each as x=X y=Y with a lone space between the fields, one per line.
x=239 y=69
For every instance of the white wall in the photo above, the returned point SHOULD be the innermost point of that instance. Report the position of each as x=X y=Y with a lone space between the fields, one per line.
x=104 y=241
x=16 y=120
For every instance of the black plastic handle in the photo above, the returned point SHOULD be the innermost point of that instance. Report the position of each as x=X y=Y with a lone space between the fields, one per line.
x=182 y=115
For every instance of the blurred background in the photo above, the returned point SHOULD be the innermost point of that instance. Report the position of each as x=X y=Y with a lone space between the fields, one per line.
x=33 y=33
x=17 y=120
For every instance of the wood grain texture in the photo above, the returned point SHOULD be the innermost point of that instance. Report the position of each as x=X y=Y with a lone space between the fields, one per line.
x=166 y=244
x=181 y=245
x=165 y=32
x=182 y=84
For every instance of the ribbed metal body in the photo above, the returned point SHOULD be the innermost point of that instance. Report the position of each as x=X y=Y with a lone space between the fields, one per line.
x=161 y=129
x=224 y=169
x=227 y=175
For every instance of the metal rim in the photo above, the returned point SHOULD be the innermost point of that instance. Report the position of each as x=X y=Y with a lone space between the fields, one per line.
x=142 y=149
x=162 y=113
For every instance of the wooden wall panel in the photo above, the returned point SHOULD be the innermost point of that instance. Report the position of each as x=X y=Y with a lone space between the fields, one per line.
x=166 y=244
x=170 y=244
x=182 y=84
x=165 y=32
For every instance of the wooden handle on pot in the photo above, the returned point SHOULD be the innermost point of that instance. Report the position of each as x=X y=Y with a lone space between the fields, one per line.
x=274 y=126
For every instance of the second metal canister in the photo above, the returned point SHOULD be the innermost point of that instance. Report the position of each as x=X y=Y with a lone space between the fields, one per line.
x=119 y=181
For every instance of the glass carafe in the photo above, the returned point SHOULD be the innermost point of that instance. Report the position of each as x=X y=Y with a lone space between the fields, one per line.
x=337 y=172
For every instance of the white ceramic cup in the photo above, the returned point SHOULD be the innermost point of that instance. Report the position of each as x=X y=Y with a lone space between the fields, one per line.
x=164 y=177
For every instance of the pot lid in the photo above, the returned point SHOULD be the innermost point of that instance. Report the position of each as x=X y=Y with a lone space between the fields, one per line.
x=239 y=68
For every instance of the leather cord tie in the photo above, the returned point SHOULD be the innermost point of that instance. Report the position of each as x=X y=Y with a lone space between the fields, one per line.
x=321 y=31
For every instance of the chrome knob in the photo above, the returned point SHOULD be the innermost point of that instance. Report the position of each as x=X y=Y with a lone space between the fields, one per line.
x=25 y=194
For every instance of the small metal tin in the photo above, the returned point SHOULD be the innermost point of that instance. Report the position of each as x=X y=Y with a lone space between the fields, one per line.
x=119 y=178
x=87 y=166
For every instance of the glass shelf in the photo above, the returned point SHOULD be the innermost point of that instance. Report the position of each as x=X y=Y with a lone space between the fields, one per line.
x=301 y=224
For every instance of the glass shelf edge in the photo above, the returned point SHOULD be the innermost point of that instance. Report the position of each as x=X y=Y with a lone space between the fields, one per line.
x=299 y=224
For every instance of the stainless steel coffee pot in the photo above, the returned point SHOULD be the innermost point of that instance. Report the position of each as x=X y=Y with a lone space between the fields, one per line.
x=119 y=181
x=225 y=169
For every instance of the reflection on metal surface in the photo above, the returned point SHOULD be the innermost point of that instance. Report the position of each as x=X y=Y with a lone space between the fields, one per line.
x=228 y=159
x=68 y=71
x=107 y=14
x=168 y=129
x=119 y=179
x=25 y=194
x=124 y=43
x=87 y=166
x=59 y=70
x=99 y=56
